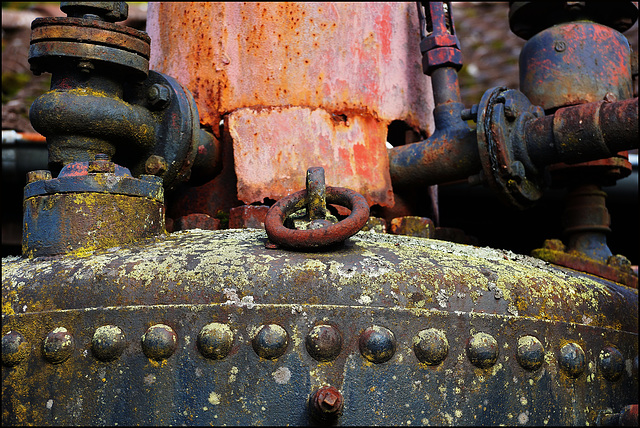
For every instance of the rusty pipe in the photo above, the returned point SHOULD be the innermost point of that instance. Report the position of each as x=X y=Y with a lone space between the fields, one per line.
x=573 y=134
x=583 y=133
x=450 y=154
x=82 y=113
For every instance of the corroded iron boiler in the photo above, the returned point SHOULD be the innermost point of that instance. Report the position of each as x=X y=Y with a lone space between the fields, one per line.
x=322 y=317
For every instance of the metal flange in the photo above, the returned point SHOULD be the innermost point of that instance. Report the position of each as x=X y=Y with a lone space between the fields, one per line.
x=502 y=116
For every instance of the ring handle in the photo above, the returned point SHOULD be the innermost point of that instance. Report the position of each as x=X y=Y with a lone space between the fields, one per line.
x=324 y=236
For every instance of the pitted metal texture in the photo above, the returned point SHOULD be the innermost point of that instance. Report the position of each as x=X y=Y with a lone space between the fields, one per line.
x=249 y=324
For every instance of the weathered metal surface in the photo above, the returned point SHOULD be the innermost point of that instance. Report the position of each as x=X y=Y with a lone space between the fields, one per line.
x=449 y=154
x=90 y=205
x=392 y=288
x=350 y=148
x=248 y=217
x=613 y=268
x=88 y=40
x=196 y=221
x=300 y=81
x=422 y=227
x=575 y=63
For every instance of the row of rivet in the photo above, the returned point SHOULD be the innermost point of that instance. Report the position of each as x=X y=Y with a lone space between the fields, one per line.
x=324 y=343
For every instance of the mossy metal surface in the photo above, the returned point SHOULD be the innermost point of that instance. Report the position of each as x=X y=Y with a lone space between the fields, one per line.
x=190 y=279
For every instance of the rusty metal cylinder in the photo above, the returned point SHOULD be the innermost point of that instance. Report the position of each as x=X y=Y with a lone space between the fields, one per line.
x=298 y=84
x=575 y=63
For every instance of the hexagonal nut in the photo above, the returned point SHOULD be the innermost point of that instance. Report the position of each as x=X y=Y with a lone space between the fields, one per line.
x=434 y=41
x=159 y=96
x=442 y=57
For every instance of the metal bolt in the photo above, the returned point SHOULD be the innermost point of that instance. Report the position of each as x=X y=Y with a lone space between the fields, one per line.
x=159 y=96
x=377 y=344
x=326 y=403
x=101 y=164
x=431 y=346
x=271 y=341
x=58 y=345
x=518 y=172
x=159 y=342
x=38 y=175
x=155 y=165
x=470 y=113
x=572 y=359
x=109 y=11
x=215 y=340
x=85 y=67
x=611 y=363
x=108 y=342
x=530 y=353
x=482 y=350
x=324 y=342
x=559 y=46
x=510 y=109
x=14 y=348
x=610 y=97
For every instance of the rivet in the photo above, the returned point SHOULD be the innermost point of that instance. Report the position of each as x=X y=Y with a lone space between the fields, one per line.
x=377 y=344
x=58 y=345
x=572 y=359
x=159 y=342
x=326 y=403
x=324 y=342
x=108 y=342
x=215 y=340
x=271 y=341
x=14 y=348
x=611 y=363
x=431 y=346
x=482 y=350
x=530 y=352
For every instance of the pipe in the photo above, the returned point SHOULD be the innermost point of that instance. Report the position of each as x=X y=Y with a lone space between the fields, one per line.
x=583 y=133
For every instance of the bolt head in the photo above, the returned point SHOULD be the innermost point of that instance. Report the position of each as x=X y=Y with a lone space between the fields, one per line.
x=611 y=363
x=327 y=402
x=572 y=359
x=159 y=96
x=155 y=165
